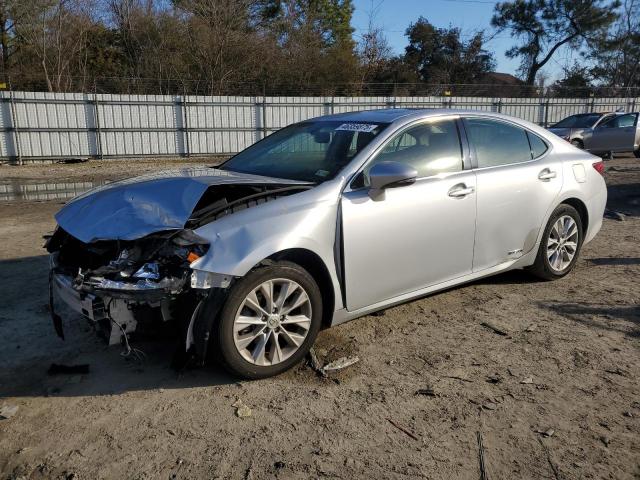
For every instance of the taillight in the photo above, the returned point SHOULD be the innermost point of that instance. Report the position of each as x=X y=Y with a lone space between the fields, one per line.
x=599 y=166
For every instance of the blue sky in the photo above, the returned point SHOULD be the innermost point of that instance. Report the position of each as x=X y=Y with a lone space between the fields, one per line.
x=394 y=16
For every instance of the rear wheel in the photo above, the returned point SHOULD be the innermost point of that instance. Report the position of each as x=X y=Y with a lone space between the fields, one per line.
x=269 y=322
x=636 y=153
x=560 y=244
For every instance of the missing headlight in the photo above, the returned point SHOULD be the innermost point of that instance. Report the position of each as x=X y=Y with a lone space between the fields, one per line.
x=150 y=271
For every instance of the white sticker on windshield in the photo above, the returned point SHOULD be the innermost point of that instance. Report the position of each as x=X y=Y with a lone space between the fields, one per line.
x=322 y=173
x=357 y=127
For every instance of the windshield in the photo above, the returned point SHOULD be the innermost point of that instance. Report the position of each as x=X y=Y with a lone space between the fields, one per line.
x=307 y=151
x=579 y=121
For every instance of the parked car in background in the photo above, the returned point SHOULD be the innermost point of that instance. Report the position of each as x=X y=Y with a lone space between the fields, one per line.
x=573 y=127
x=322 y=222
x=618 y=134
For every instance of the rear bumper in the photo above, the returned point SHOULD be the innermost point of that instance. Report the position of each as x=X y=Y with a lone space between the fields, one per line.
x=595 y=207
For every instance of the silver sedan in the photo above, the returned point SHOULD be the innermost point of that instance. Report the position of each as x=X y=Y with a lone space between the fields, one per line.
x=616 y=134
x=572 y=128
x=322 y=222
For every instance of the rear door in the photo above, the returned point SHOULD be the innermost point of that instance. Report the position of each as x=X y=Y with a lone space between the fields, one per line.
x=517 y=183
x=616 y=134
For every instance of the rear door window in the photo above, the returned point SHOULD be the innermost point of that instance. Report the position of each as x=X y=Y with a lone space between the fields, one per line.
x=498 y=143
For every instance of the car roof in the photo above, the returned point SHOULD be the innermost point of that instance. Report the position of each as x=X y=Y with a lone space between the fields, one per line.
x=390 y=115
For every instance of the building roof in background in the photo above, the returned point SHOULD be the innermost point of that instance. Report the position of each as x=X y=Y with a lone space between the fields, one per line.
x=499 y=78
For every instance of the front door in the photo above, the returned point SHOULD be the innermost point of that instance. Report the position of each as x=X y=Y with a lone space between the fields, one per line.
x=616 y=134
x=416 y=235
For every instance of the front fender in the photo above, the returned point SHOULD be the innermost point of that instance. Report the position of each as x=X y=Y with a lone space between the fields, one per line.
x=306 y=220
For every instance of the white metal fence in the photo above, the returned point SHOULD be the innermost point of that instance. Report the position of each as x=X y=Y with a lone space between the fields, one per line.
x=39 y=126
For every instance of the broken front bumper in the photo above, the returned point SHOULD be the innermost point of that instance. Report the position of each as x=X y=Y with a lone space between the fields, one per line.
x=111 y=313
x=86 y=304
x=115 y=313
x=112 y=317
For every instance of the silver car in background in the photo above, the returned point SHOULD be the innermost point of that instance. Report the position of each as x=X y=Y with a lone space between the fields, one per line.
x=618 y=134
x=572 y=128
x=322 y=222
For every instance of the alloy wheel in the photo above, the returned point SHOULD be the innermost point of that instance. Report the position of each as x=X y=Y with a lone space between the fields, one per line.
x=562 y=244
x=272 y=322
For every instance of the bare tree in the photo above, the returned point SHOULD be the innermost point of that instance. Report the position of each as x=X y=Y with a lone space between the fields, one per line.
x=544 y=26
x=223 y=44
x=54 y=32
x=617 y=53
x=373 y=48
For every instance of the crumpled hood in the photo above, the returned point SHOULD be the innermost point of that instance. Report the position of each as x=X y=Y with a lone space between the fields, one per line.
x=133 y=208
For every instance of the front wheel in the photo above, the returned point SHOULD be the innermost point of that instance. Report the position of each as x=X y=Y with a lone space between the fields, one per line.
x=560 y=244
x=577 y=143
x=636 y=153
x=269 y=322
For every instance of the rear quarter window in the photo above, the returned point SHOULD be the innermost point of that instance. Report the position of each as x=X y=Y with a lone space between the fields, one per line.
x=538 y=146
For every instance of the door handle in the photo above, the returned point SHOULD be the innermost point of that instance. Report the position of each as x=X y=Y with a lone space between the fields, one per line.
x=461 y=190
x=546 y=174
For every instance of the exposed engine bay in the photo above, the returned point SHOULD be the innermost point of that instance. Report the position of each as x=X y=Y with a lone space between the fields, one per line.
x=120 y=285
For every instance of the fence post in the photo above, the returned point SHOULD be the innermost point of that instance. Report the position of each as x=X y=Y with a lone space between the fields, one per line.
x=264 y=116
x=14 y=120
x=327 y=108
x=96 y=118
x=546 y=113
x=185 y=125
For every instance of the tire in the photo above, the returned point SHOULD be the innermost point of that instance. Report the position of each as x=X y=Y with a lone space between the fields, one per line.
x=636 y=153
x=273 y=344
x=554 y=267
x=577 y=143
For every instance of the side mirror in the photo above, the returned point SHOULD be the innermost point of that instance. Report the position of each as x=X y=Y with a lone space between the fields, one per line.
x=389 y=175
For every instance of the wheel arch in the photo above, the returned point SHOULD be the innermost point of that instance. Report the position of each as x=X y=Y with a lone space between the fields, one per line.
x=581 y=207
x=316 y=267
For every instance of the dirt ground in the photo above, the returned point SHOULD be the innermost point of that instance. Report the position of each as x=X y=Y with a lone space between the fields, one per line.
x=558 y=396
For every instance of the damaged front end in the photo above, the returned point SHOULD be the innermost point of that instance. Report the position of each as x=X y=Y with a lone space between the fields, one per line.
x=121 y=255
x=117 y=285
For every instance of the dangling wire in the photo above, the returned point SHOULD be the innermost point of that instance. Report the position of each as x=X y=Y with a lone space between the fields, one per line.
x=129 y=350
